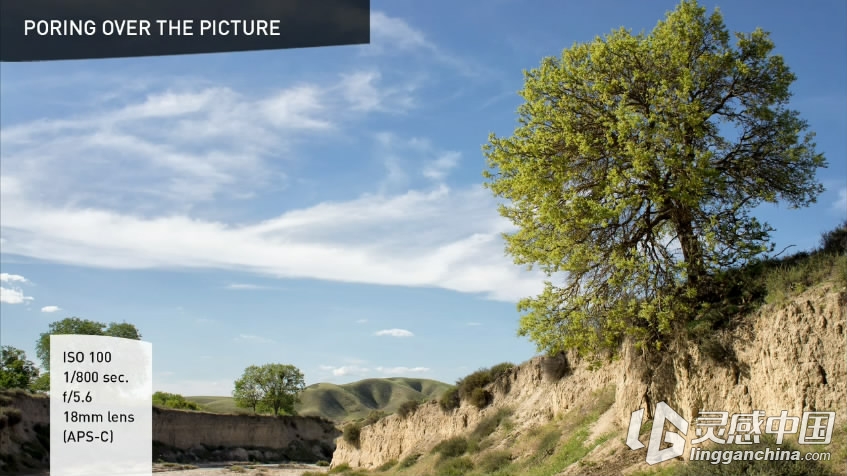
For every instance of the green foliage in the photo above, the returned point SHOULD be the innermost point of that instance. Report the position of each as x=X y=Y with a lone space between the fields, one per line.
x=173 y=400
x=407 y=408
x=500 y=370
x=322 y=463
x=272 y=387
x=455 y=467
x=352 y=433
x=341 y=468
x=42 y=383
x=452 y=447
x=480 y=397
x=15 y=370
x=488 y=425
x=471 y=382
x=494 y=461
x=9 y=417
x=75 y=325
x=373 y=417
x=450 y=400
x=409 y=461
x=630 y=146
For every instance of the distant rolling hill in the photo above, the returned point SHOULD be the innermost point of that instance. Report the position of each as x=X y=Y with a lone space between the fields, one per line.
x=348 y=401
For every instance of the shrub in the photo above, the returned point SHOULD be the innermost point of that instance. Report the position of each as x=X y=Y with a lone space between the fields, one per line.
x=341 y=468
x=488 y=425
x=835 y=241
x=500 y=370
x=407 y=408
x=322 y=463
x=373 y=417
x=9 y=417
x=478 y=379
x=352 y=433
x=452 y=447
x=387 y=465
x=555 y=367
x=410 y=460
x=455 y=467
x=173 y=400
x=495 y=461
x=480 y=398
x=450 y=400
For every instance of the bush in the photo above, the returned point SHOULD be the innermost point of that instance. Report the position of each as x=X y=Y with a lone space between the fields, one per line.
x=387 y=465
x=555 y=367
x=352 y=433
x=451 y=448
x=495 y=461
x=455 y=467
x=480 y=398
x=500 y=370
x=407 y=408
x=478 y=379
x=341 y=468
x=373 y=417
x=488 y=425
x=450 y=400
x=173 y=400
x=322 y=463
x=835 y=241
x=9 y=417
x=410 y=460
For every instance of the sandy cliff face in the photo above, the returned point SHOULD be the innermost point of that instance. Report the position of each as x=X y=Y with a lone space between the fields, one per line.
x=788 y=357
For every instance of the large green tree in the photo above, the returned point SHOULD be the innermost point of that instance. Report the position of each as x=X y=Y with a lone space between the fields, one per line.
x=634 y=172
x=275 y=387
x=75 y=325
x=15 y=370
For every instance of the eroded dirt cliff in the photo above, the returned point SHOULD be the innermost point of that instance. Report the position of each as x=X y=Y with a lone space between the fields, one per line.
x=789 y=356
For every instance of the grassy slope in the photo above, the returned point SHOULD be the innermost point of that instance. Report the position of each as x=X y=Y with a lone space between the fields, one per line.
x=347 y=401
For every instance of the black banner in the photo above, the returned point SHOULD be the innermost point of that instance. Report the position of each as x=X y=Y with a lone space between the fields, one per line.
x=39 y=30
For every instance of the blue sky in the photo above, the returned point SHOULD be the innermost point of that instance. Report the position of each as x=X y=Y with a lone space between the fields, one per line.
x=321 y=207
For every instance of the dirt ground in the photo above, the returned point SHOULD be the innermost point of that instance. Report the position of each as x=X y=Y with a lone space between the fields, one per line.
x=237 y=470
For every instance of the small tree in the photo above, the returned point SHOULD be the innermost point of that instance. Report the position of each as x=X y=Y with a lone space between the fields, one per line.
x=15 y=370
x=634 y=172
x=275 y=387
x=248 y=391
x=282 y=385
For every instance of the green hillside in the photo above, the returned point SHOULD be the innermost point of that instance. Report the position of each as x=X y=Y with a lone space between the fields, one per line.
x=348 y=401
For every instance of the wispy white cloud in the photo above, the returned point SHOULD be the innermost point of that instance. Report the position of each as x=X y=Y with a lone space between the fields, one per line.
x=245 y=286
x=393 y=35
x=841 y=203
x=361 y=321
x=13 y=296
x=395 y=333
x=50 y=309
x=345 y=370
x=359 y=371
x=254 y=338
x=363 y=92
x=438 y=168
x=12 y=278
x=442 y=238
x=402 y=371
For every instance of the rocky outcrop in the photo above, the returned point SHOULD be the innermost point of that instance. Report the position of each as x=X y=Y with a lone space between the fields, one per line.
x=195 y=436
x=785 y=357
x=179 y=436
